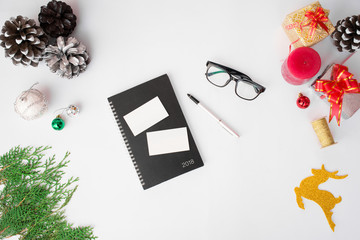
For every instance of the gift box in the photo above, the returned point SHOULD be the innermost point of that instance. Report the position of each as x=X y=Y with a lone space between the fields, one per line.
x=339 y=81
x=308 y=26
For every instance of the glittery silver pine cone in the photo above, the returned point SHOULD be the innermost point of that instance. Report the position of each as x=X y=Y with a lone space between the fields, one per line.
x=347 y=34
x=24 y=42
x=68 y=58
x=57 y=19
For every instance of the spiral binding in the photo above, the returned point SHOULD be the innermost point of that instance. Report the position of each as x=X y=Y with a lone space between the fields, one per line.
x=127 y=144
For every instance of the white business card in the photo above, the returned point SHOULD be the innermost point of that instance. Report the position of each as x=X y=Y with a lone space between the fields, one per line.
x=168 y=141
x=146 y=116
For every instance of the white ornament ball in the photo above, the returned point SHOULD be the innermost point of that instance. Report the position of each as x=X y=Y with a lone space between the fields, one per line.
x=31 y=104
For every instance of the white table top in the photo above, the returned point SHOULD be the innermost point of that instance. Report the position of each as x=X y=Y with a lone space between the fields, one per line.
x=246 y=188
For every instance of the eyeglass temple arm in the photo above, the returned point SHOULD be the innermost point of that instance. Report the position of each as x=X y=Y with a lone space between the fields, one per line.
x=213 y=73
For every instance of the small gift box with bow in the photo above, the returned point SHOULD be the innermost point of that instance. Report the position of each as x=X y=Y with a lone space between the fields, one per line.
x=308 y=26
x=341 y=90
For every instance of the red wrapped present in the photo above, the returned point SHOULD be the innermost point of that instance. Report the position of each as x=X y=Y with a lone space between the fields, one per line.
x=341 y=90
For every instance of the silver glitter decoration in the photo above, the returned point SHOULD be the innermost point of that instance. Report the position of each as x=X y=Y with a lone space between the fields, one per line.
x=72 y=110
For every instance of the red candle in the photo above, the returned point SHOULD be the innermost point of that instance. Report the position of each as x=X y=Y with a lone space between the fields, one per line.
x=302 y=64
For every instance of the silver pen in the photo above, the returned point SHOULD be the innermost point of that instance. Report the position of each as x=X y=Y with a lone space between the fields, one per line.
x=219 y=121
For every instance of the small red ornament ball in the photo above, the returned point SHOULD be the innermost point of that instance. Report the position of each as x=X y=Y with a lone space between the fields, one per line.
x=303 y=101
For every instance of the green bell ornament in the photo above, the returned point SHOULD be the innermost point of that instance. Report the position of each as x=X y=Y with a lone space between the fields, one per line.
x=58 y=123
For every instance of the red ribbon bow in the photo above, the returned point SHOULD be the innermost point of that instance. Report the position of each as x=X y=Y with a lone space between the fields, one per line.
x=316 y=18
x=341 y=83
x=313 y=19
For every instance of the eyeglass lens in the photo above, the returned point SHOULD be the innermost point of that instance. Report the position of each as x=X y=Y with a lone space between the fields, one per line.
x=246 y=90
x=217 y=76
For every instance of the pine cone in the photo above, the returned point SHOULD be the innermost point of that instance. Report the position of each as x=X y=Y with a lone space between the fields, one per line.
x=347 y=34
x=68 y=58
x=24 y=42
x=57 y=19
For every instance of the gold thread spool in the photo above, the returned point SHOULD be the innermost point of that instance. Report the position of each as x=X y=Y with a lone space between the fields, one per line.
x=322 y=130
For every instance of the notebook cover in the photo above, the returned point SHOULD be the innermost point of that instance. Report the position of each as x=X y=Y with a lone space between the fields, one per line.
x=153 y=170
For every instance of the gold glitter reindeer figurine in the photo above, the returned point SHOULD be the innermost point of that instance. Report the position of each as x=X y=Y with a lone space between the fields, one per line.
x=309 y=189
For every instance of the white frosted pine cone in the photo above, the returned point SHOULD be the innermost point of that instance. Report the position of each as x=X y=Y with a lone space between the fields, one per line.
x=347 y=34
x=68 y=58
x=23 y=40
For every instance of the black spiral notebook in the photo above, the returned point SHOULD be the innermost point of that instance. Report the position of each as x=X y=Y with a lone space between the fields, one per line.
x=155 y=131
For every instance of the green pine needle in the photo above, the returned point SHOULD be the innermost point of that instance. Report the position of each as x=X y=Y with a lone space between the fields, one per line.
x=33 y=195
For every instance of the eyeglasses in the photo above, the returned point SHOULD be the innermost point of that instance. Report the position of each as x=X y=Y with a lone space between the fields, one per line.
x=220 y=76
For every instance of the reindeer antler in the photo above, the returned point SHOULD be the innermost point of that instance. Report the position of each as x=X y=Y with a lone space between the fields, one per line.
x=333 y=174
x=339 y=177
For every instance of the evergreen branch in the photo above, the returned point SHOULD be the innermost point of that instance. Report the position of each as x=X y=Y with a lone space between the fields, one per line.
x=68 y=197
x=4 y=230
x=21 y=202
x=33 y=195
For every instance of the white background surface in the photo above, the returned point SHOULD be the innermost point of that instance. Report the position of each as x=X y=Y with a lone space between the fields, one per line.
x=246 y=188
